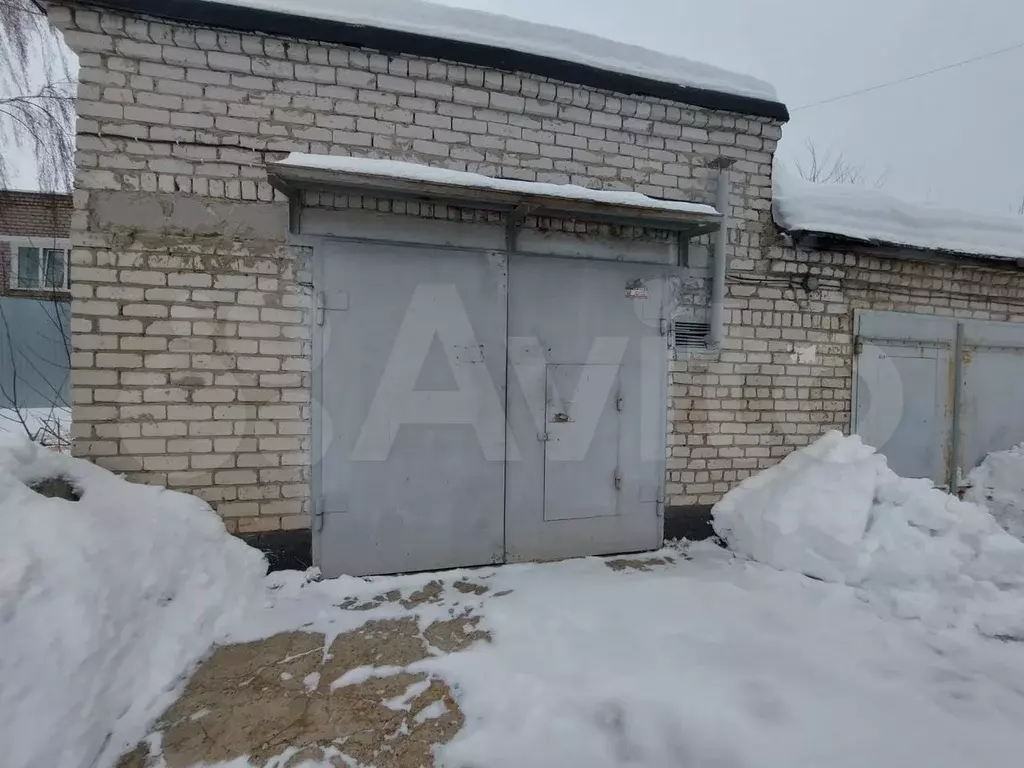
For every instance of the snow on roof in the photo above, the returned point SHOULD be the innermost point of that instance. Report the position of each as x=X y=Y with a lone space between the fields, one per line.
x=873 y=216
x=395 y=169
x=494 y=30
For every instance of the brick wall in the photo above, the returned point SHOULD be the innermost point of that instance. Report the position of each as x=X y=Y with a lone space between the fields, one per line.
x=786 y=372
x=30 y=214
x=35 y=214
x=191 y=363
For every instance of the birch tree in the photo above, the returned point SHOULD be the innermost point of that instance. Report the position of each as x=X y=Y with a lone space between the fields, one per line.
x=36 y=150
x=36 y=97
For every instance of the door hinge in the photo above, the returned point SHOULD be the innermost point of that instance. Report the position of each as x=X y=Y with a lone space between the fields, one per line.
x=618 y=403
x=333 y=300
x=318 y=514
x=663 y=326
x=618 y=481
x=858 y=345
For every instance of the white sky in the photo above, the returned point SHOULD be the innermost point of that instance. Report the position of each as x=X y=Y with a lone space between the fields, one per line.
x=953 y=138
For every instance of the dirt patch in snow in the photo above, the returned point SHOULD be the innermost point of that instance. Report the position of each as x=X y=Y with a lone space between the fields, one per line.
x=275 y=697
x=469 y=588
x=433 y=592
x=646 y=564
x=57 y=488
x=454 y=635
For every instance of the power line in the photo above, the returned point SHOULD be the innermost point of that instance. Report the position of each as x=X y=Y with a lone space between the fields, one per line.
x=908 y=78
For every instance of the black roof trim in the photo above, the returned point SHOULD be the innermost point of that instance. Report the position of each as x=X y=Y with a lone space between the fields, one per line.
x=214 y=14
x=830 y=242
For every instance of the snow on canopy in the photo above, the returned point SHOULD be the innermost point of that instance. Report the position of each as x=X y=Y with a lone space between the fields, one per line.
x=495 y=30
x=873 y=216
x=397 y=169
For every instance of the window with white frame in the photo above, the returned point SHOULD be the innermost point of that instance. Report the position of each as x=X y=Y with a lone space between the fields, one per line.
x=39 y=264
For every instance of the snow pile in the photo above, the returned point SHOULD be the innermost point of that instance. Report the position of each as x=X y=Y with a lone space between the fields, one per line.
x=498 y=31
x=105 y=603
x=836 y=512
x=998 y=483
x=873 y=216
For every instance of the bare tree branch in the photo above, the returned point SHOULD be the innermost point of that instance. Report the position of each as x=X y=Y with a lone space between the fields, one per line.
x=827 y=168
x=36 y=96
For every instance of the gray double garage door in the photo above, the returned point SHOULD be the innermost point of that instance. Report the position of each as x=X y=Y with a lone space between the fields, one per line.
x=936 y=394
x=473 y=406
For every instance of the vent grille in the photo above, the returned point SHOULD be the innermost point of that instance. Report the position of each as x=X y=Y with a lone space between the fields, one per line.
x=688 y=335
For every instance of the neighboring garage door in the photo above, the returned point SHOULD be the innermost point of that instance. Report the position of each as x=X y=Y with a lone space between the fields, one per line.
x=937 y=394
x=422 y=352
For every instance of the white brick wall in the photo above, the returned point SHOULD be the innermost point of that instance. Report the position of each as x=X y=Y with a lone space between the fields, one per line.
x=191 y=362
x=786 y=372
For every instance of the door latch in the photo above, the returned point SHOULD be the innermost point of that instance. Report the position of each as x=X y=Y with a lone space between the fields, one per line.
x=618 y=482
x=618 y=403
x=543 y=437
x=318 y=514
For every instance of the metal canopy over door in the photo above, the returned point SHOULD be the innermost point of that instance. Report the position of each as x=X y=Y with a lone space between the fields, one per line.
x=587 y=374
x=411 y=389
x=936 y=394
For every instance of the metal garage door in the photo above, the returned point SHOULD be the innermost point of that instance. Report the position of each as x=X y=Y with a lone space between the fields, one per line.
x=935 y=395
x=586 y=357
x=423 y=350
x=412 y=393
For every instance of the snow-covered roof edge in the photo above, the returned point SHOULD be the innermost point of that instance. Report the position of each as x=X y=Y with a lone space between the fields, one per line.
x=873 y=216
x=483 y=39
x=395 y=169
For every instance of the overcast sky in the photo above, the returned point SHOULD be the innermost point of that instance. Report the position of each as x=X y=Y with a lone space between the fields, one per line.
x=953 y=138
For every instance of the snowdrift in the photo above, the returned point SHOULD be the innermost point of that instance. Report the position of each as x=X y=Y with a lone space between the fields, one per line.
x=873 y=216
x=105 y=604
x=998 y=484
x=836 y=512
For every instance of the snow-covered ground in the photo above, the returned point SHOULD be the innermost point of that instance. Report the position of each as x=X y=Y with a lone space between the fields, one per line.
x=710 y=661
x=707 y=659
x=105 y=603
x=998 y=483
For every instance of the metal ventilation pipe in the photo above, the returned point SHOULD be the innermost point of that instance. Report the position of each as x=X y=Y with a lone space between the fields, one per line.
x=720 y=265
